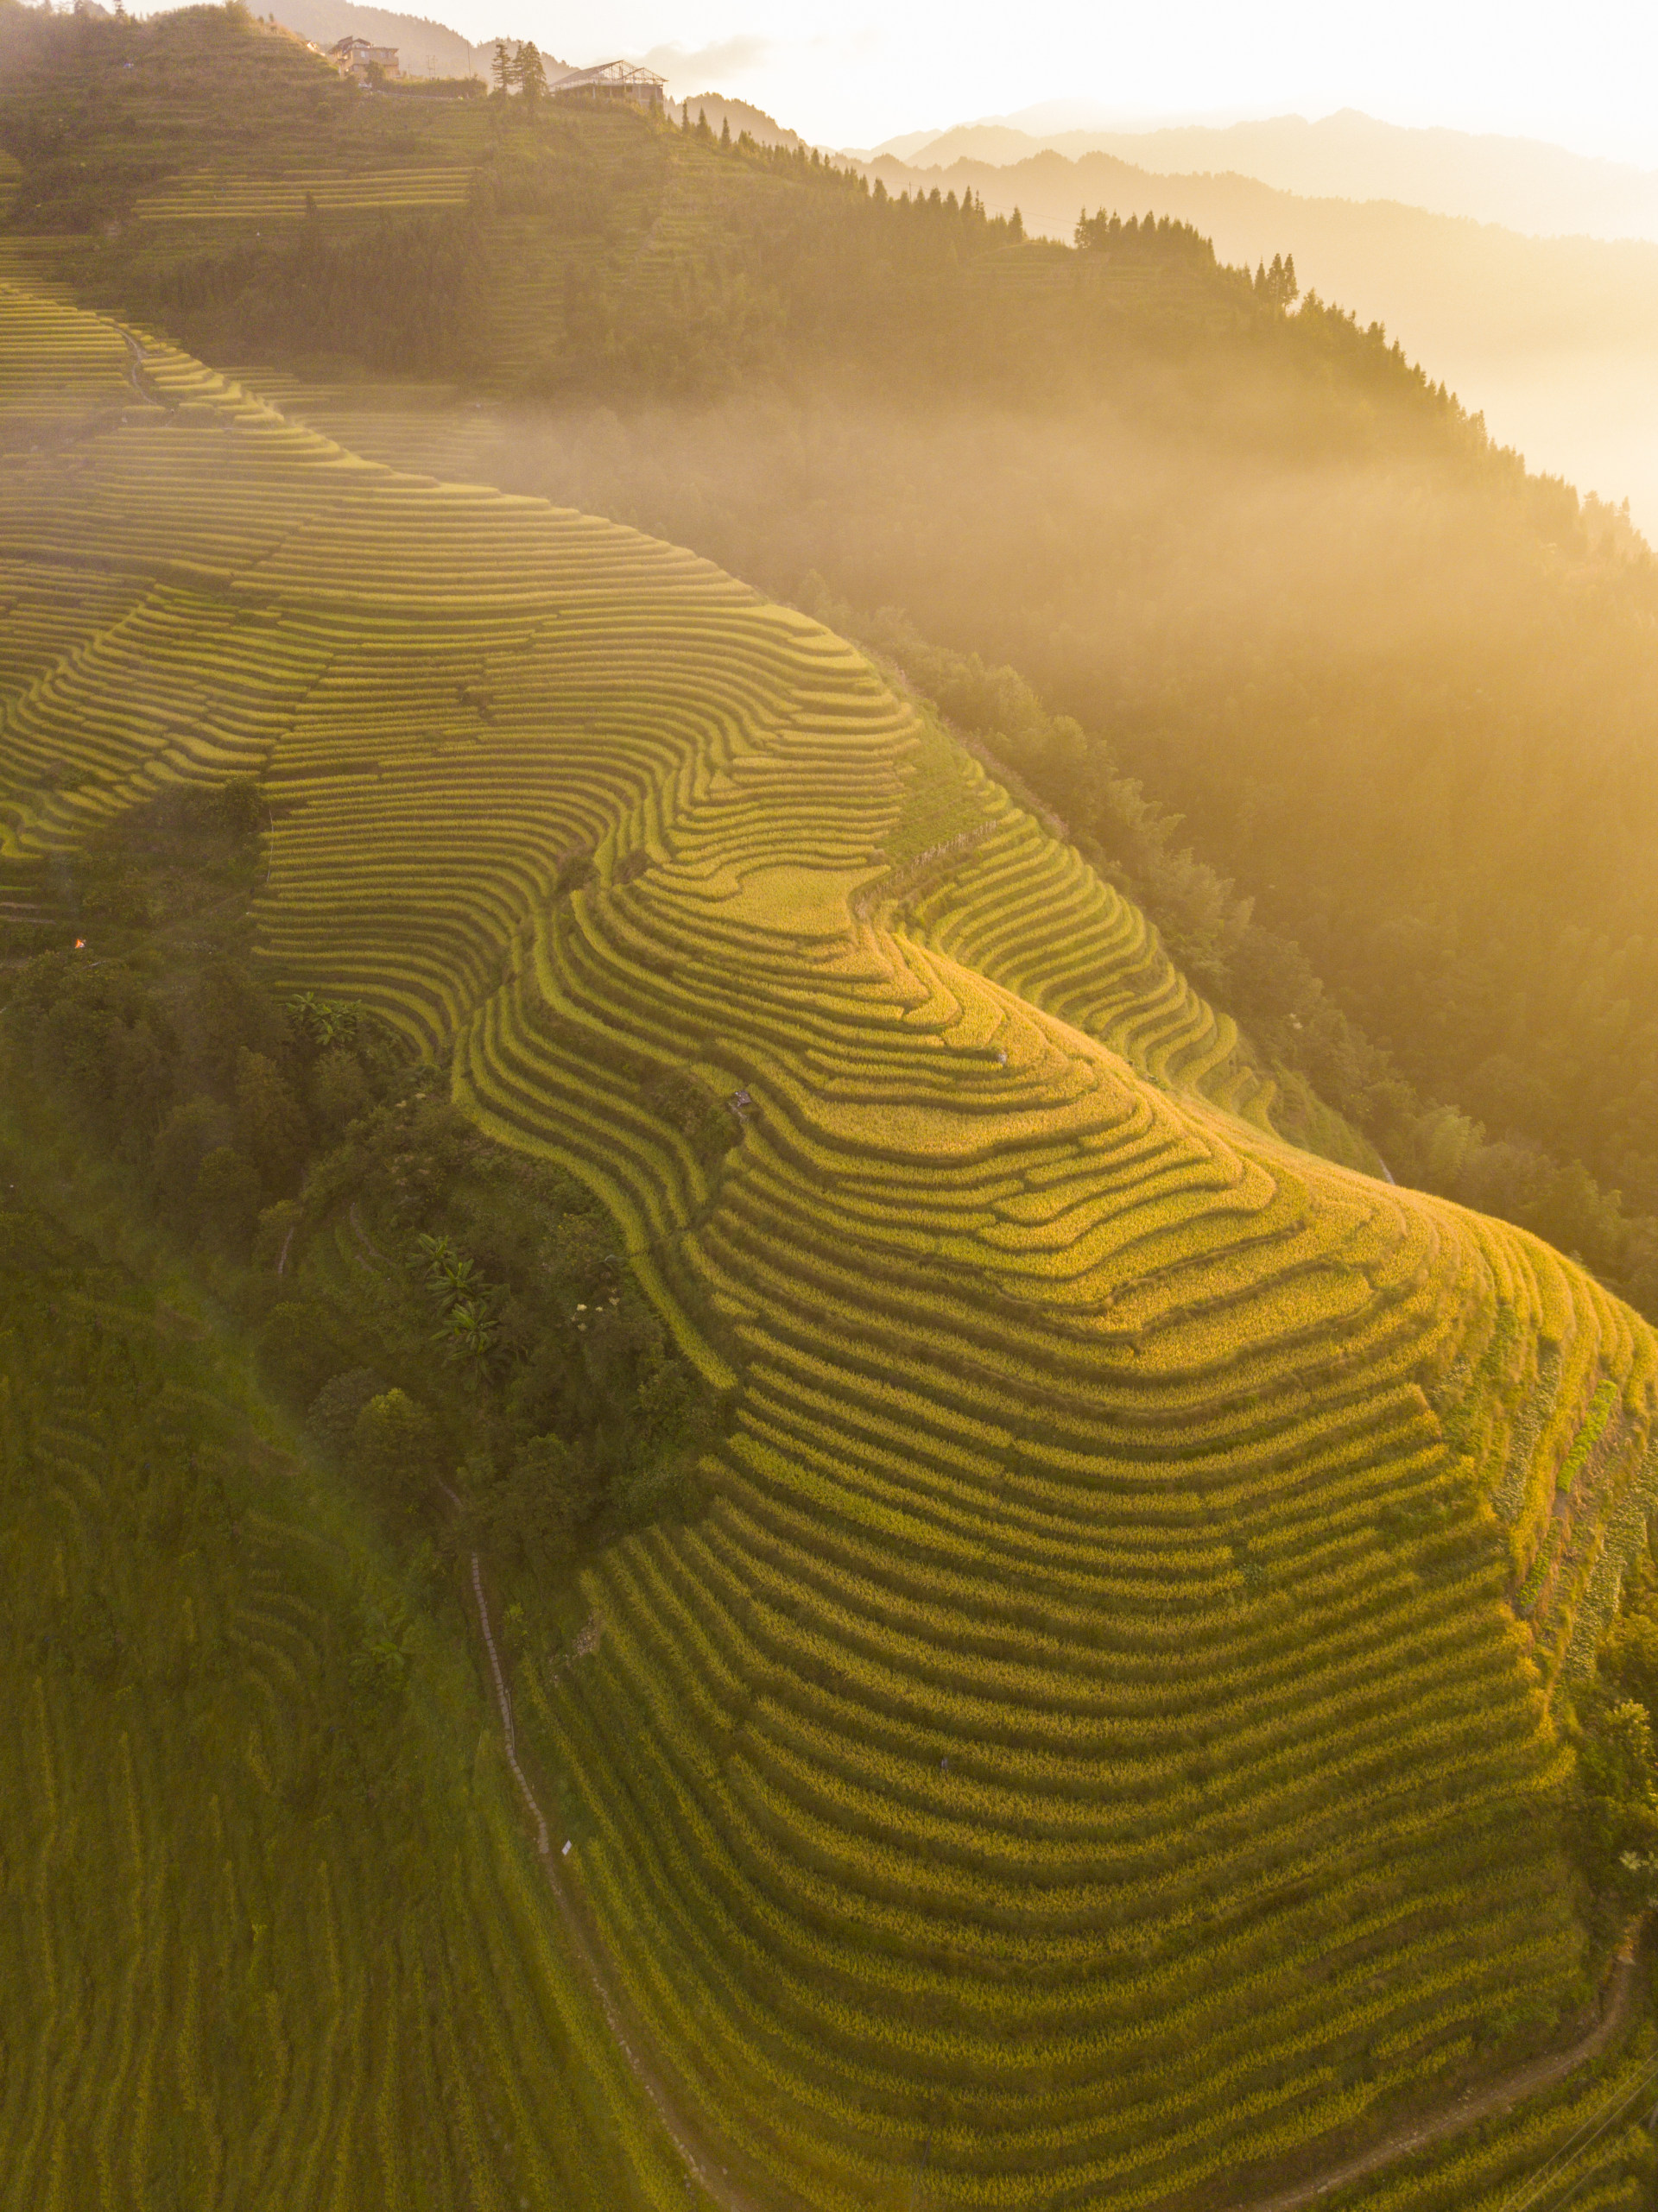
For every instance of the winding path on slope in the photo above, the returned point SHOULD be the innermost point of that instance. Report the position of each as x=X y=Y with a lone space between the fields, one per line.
x=1527 y=2080
x=712 y=2179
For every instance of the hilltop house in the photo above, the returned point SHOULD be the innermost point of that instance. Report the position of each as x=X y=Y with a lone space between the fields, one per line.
x=612 y=83
x=353 y=57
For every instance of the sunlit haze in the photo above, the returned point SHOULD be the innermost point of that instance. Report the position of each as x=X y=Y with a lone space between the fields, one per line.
x=828 y=1106
x=854 y=76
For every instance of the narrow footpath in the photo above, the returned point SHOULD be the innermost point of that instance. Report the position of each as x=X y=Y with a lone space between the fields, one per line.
x=1528 y=2080
x=711 y=2177
x=1474 y=2104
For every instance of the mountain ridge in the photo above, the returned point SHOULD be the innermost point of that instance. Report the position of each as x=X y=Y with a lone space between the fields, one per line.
x=1557 y=335
x=1520 y=184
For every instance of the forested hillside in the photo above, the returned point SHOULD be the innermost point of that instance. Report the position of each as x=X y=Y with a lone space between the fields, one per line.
x=580 y=253
x=1554 y=338
x=1401 y=693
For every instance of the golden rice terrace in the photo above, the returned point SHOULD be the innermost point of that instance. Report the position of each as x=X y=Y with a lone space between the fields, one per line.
x=1098 y=1739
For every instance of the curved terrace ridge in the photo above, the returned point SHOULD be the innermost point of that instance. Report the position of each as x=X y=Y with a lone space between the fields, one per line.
x=1099 y=1738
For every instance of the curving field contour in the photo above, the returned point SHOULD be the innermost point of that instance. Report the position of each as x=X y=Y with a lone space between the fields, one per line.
x=1098 y=1739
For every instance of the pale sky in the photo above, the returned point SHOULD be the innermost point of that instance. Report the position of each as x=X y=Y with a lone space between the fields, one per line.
x=852 y=74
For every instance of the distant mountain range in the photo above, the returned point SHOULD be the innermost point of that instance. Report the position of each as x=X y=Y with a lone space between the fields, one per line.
x=763 y=129
x=1555 y=338
x=1522 y=183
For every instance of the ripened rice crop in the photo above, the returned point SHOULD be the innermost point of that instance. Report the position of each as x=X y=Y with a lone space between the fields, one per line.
x=1089 y=1745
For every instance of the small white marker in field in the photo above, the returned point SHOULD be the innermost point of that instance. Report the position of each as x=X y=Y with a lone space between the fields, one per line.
x=565 y=1853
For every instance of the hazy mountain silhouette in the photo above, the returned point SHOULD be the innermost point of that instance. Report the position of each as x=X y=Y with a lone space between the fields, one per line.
x=742 y=115
x=1522 y=183
x=1555 y=340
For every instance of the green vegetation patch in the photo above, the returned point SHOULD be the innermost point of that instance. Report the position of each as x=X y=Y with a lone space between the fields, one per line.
x=255 y=1857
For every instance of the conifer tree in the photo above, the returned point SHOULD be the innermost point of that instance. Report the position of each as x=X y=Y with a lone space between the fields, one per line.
x=501 y=67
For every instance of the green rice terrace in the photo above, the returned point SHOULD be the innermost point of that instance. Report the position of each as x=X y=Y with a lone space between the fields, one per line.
x=1101 y=1744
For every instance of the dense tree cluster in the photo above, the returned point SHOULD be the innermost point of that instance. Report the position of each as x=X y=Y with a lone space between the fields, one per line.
x=1615 y=1798
x=1154 y=239
x=490 y=1343
x=1277 y=285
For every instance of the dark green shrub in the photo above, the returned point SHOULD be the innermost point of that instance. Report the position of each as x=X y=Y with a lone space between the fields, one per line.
x=226 y=1201
x=331 y=1422
x=396 y=1447
x=190 y=1132
x=297 y=1351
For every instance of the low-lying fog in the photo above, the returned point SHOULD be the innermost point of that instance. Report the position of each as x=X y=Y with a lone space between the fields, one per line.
x=1554 y=340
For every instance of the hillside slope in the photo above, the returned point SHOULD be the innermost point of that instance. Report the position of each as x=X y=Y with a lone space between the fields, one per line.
x=269 y=1938
x=1394 y=687
x=1100 y=1734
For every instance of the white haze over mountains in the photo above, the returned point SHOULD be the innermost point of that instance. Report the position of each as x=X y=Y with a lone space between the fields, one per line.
x=1522 y=274
x=1550 y=333
x=849 y=72
x=1547 y=191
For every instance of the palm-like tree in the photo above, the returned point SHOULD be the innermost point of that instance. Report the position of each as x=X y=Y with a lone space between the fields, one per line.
x=325 y=1020
x=467 y=1336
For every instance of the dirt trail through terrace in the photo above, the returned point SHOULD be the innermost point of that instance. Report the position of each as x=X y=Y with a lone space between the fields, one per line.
x=1526 y=2081
x=698 y=2162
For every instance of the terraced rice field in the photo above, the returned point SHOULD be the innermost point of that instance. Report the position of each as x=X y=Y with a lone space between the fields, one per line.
x=671 y=201
x=209 y=197
x=1094 y=1744
x=58 y=362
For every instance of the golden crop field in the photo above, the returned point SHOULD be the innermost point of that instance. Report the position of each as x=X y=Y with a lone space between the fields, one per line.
x=1094 y=1744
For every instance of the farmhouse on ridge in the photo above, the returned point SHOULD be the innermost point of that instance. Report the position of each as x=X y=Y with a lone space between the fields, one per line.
x=353 y=57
